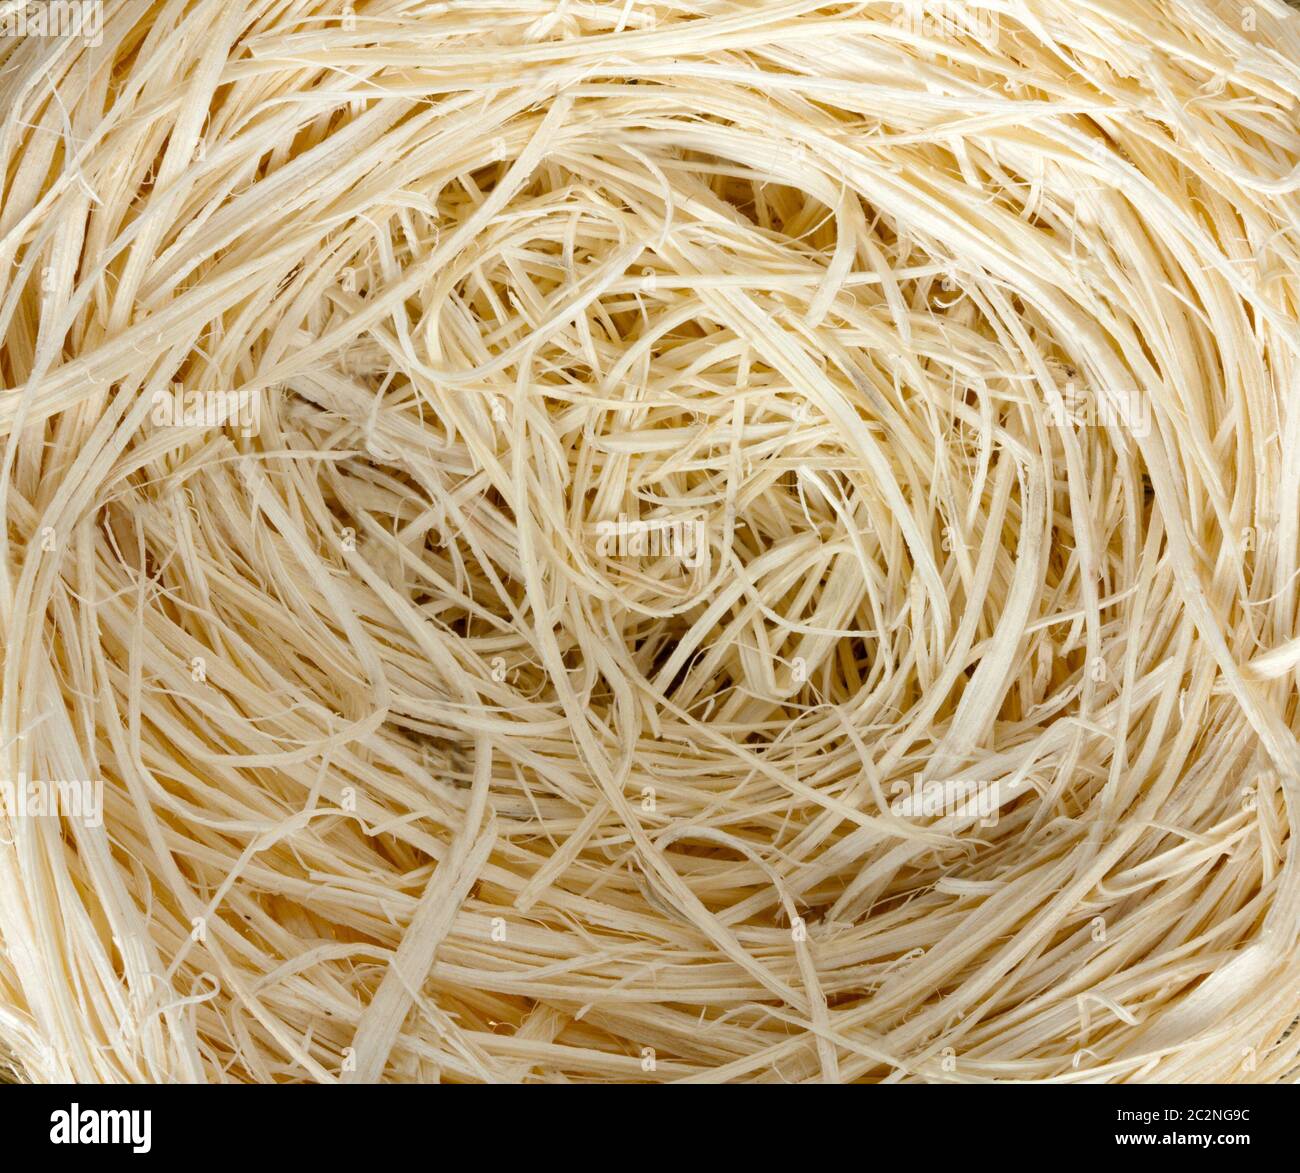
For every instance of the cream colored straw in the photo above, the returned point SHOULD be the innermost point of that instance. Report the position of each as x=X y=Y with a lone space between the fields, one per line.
x=565 y=541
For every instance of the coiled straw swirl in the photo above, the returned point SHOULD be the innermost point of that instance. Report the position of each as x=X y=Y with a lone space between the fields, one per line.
x=581 y=541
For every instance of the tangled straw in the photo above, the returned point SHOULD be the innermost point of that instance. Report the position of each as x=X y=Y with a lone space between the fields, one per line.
x=581 y=541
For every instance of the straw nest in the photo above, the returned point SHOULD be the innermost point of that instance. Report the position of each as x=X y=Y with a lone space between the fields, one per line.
x=581 y=541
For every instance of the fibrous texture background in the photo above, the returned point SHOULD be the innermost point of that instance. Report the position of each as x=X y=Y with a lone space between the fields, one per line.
x=589 y=541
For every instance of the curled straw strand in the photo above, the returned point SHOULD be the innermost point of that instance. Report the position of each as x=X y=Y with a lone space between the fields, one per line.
x=958 y=343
